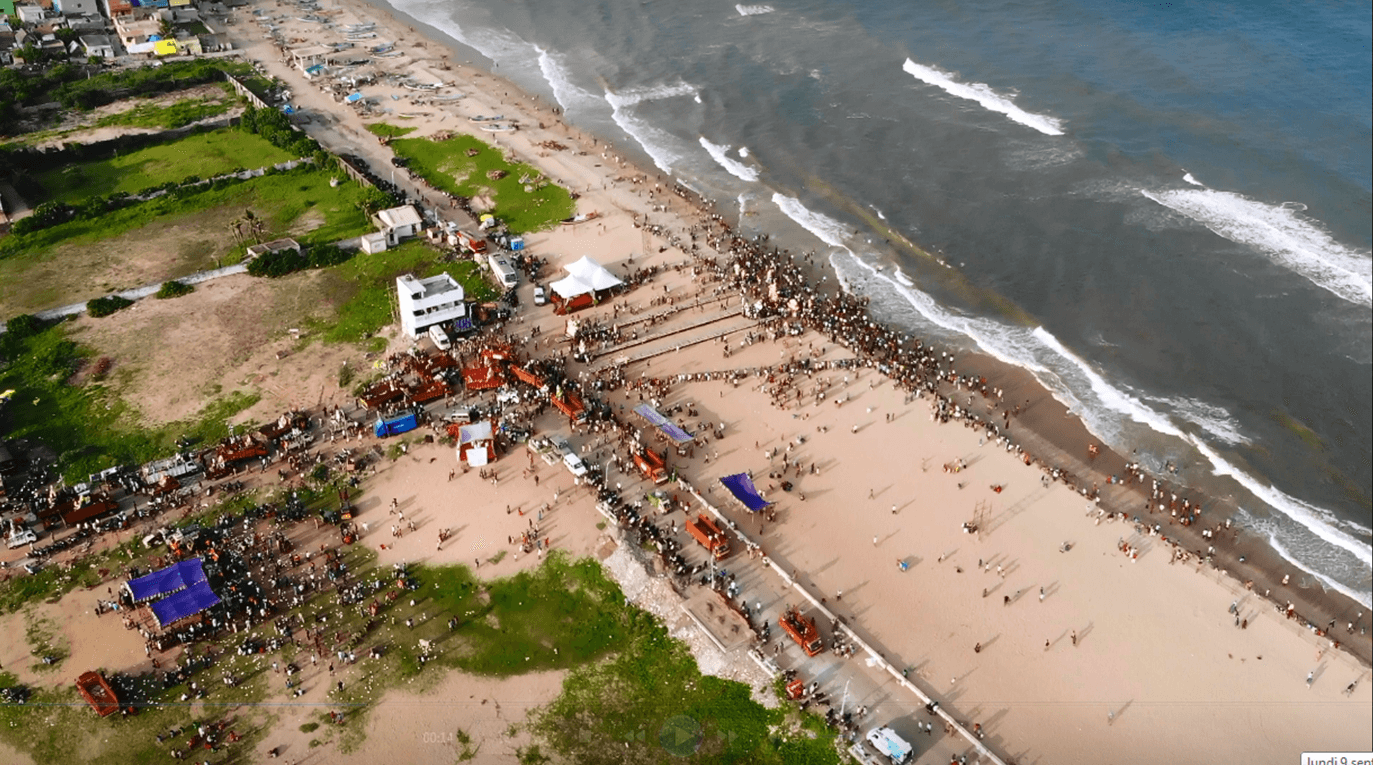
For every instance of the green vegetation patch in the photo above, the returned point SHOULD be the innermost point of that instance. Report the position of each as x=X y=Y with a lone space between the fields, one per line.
x=447 y=166
x=102 y=307
x=363 y=289
x=389 y=131
x=46 y=643
x=88 y=426
x=174 y=289
x=169 y=117
x=282 y=199
x=201 y=155
x=650 y=703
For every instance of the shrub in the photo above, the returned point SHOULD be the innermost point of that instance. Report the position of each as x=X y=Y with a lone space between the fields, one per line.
x=174 y=289
x=107 y=305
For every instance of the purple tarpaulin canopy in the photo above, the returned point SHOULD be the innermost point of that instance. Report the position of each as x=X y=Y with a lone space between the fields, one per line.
x=188 y=602
x=669 y=428
x=173 y=578
x=741 y=486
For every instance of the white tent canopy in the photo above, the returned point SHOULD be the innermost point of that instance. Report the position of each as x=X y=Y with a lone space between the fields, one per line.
x=586 y=275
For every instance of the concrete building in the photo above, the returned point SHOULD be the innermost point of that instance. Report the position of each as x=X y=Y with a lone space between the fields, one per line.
x=398 y=223
x=426 y=302
x=30 y=14
x=373 y=243
x=98 y=45
x=276 y=245
x=76 y=7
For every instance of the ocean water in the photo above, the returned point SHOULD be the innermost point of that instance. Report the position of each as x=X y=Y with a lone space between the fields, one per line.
x=1174 y=200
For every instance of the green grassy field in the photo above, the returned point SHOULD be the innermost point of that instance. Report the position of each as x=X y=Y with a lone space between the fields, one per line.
x=172 y=116
x=361 y=289
x=88 y=426
x=203 y=154
x=389 y=131
x=68 y=262
x=446 y=165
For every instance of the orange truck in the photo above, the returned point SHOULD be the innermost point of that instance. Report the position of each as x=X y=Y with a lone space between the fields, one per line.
x=652 y=465
x=710 y=536
x=472 y=243
x=802 y=630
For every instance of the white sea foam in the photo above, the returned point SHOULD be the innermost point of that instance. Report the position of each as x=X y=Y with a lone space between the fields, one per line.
x=662 y=147
x=743 y=151
x=1212 y=419
x=823 y=227
x=1268 y=530
x=879 y=213
x=1281 y=234
x=1192 y=179
x=632 y=96
x=984 y=95
x=559 y=78
x=736 y=168
x=754 y=10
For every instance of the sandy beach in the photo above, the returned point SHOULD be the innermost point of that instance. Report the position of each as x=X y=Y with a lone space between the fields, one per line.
x=1038 y=627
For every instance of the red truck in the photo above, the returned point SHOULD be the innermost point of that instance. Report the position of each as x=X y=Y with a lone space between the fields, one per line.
x=652 y=465
x=704 y=530
x=802 y=630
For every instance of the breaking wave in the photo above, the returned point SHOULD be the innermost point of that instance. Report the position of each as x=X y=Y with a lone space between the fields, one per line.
x=1280 y=233
x=984 y=95
x=736 y=168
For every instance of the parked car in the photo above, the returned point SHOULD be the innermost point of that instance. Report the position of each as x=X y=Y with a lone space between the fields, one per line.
x=21 y=538
x=540 y=296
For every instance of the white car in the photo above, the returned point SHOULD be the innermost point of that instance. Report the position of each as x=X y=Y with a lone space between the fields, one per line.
x=574 y=465
x=21 y=538
x=540 y=296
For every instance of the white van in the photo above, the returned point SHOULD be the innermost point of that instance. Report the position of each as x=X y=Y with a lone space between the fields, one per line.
x=886 y=741
x=504 y=271
x=440 y=337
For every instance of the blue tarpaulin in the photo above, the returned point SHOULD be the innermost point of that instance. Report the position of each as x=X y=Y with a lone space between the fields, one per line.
x=741 y=486
x=188 y=602
x=174 y=578
x=668 y=427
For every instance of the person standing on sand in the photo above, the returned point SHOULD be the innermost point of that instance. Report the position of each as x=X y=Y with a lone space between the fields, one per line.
x=1074 y=638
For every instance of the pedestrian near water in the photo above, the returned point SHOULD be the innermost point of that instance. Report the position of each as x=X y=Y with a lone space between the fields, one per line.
x=1006 y=600
x=1041 y=594
x=1074 y=638
x=977 y=648
x=1310 y=678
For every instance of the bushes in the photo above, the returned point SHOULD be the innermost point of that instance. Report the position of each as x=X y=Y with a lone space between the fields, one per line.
x=174 y=289
x=44 y=216
x=277 y=129
x=107 y=305
x=283 y=262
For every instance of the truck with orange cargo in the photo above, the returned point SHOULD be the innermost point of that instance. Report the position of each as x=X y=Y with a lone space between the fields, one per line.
x=652 y=465
x=703 y=529
x=802 y=630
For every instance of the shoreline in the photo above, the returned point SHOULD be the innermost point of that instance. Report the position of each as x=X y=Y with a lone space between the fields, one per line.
x=1049 y=422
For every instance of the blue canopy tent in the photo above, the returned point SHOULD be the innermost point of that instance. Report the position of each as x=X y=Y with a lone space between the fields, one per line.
x=188 y=602
x=656 y=419
x=166 y=581
x=741 y=486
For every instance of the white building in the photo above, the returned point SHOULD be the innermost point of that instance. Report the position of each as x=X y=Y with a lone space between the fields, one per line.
x=399 y=223
x=426 y=302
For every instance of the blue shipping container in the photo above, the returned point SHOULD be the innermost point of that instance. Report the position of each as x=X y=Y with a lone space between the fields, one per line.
x=396 y=425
